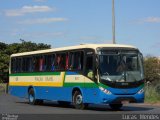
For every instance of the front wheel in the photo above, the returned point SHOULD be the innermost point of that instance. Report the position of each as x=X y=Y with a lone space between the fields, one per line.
x=116 y=106
x=78 y=100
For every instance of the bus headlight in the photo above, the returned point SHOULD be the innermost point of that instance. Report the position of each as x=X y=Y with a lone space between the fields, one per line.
x=141 y=91
x=104 y=90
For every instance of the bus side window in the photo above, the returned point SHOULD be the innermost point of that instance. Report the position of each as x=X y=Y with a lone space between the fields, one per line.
x=52 y=61
x=19 y=65
x=57 y=62
x=24 y=67
x=71 y=60
x=13 y=65
x=41 y=63
x=16 y=65
x=61 y=61
x=30 y=66
x=33 y=64
x=76 y=60
x=81 y=60
x=48 y=63
x=37 y=63
x=67 y=62
x=89 y=67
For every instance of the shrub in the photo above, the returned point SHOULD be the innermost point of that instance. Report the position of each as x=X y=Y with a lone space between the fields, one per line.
x=152 y=93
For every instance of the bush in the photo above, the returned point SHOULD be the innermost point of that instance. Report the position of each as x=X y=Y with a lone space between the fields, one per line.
x=152 y=69
x=152 y=93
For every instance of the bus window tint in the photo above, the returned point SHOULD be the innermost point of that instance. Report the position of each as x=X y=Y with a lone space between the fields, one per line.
x=52 y=61
x=89 y=67
x=36 y=63
x=29 y=64
x=49 y=61
x=60 y=61
x=19 y=65
x=23 y=65
x=41 y=63
x=76 y=60
x=26 y=64
x=67 y=62
x=89 y=63
x=13 y=65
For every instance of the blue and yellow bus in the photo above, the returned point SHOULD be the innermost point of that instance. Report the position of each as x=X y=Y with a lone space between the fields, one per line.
x=79 y=75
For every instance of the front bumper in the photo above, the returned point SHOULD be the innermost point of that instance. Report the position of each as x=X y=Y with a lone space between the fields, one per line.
x=112 y=98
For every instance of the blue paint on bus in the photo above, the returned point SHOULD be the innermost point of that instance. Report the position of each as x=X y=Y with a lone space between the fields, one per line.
x=90 y=95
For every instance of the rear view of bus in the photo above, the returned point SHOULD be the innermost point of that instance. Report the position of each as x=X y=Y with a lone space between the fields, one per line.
x=121 y=76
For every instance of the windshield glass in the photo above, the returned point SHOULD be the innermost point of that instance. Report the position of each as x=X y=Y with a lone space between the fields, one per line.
x=120 y=66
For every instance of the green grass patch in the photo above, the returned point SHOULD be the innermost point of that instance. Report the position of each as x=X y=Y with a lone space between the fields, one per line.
x=152 y=94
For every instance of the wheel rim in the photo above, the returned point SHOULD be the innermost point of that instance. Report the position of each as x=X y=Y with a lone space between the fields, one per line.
x=31 y=98
x=78 y=99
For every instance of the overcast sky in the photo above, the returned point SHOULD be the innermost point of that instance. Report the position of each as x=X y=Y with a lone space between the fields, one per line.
x=71 y=22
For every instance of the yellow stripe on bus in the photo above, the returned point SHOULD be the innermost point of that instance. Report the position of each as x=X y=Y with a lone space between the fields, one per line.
x=54 y=84
x=63 y=77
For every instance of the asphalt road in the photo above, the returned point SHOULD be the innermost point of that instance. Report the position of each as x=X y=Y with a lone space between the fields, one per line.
x=13 y=105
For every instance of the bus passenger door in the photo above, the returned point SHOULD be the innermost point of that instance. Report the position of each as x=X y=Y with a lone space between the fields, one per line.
x=90 y=81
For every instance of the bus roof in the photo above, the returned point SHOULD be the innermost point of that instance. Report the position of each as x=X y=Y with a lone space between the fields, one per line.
x=81 y=46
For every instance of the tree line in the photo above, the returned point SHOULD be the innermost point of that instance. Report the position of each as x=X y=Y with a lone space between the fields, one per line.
x=7 y=49
x=152 y=69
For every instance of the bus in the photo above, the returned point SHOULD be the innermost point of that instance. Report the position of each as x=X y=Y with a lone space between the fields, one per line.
x=79 y=75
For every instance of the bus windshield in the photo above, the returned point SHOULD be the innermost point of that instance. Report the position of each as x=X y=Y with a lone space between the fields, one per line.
x=120 y=66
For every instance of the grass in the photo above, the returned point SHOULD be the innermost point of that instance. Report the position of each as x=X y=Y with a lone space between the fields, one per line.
x=151 y=94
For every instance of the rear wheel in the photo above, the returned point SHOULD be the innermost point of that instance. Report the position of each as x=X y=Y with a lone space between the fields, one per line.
x=32 y=99
x=78 y=100
x=116 y=106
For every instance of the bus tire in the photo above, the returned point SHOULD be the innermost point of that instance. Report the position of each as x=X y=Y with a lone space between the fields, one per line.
x=78 y=100
x=31 y=97
x=116 y=106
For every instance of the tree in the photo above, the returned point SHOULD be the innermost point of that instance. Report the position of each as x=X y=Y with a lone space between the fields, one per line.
x=152 y=69
x=8 y=49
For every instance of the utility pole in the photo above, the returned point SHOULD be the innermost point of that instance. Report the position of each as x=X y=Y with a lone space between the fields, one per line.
x=113 y=23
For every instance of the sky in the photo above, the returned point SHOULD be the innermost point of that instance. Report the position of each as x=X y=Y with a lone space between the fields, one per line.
x=72 y=22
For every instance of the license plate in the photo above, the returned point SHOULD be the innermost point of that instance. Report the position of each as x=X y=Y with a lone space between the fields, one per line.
x=125 y=102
